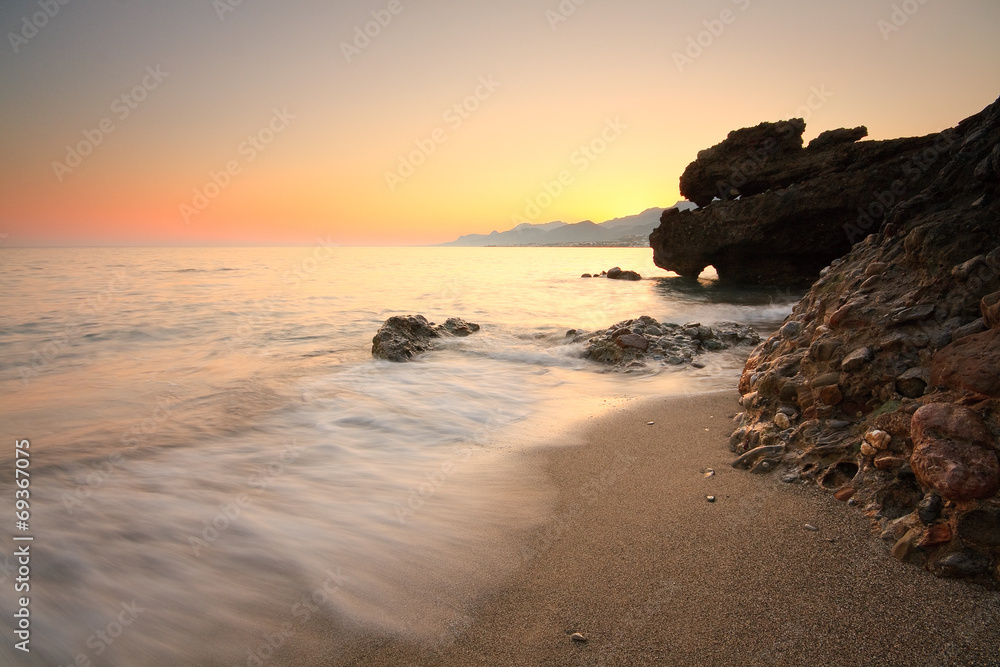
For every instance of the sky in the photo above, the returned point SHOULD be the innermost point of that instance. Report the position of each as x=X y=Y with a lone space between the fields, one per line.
x=396 y=122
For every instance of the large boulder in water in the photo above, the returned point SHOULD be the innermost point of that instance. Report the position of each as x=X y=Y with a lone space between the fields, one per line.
x=403 y=337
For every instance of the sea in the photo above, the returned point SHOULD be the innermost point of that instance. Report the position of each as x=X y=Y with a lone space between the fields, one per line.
x=214 y=465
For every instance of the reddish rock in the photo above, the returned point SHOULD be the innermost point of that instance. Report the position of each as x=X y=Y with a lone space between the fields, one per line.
x=970 y=364
x=939 y=533
x=844 y=494
x=841 y=315
x=953 y=452
x=876 y=268
x=913 y=284
x=889 y=461
x=990 y=306
x=633 y=340
x=830 y=394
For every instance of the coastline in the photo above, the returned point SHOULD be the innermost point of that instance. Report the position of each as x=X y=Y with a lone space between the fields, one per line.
x=635 y=558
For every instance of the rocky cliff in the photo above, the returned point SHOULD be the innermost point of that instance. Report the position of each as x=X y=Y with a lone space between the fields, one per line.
x=883 y=385
x=775 y=212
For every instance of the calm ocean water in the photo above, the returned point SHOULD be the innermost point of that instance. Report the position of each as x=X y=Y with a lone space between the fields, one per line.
x=215 y=453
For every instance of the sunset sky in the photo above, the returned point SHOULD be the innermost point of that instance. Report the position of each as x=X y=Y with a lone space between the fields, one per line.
x=206 y=122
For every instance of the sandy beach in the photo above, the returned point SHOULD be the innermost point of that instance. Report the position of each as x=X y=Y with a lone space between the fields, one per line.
x=636 y=559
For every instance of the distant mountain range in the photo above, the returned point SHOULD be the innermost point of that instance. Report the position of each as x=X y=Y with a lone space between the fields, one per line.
x=632 y=230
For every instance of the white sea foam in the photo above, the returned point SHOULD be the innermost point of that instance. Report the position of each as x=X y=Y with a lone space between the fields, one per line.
x=217 y=444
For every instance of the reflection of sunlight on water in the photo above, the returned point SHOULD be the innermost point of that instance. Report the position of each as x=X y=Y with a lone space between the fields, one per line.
x=228 y=447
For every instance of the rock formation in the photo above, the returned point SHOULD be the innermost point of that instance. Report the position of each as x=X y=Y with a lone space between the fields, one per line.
x=630 y=344
x=403 y=337
x=883 y=385
x=774 y=212
x=616 y=273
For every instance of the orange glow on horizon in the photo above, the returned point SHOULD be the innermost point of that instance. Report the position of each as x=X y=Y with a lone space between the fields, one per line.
x=456 y=121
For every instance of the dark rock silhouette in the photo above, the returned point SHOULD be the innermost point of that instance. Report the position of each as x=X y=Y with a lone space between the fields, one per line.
x=774 y=212
x=403 y=337
x=616 y=273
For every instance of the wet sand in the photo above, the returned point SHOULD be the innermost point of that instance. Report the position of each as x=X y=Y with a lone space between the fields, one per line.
x=635 y=558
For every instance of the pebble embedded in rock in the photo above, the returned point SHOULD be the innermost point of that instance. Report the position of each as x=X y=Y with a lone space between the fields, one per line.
x=878 y=439
x=830 y=394
x=981 y=526
x=844 y=494
x=917 y=334
x=953 y=452
x=939 y=533
x=929 y=509
x=857 y=359
x=990 y=307
x=577 y=637
x=890 y=461
x=904 y=548
x=637 y=341
x=913 y=382
x=781 y=421
x=790 y=330
x=971 y=364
